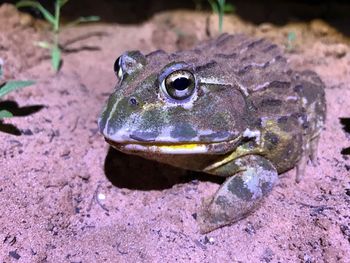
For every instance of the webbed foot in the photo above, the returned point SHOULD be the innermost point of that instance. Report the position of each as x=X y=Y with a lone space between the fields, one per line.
x=252 y=178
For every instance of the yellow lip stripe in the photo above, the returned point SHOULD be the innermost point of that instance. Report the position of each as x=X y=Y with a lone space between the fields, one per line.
x=168 y=149
x=180 y=146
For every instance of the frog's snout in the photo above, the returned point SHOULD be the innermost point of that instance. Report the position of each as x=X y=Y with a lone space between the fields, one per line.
x=119 y=116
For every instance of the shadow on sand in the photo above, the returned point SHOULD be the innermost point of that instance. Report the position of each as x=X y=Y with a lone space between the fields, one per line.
x=134 y=172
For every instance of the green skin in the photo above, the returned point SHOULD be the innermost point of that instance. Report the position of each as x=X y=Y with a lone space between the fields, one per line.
x=252 y=115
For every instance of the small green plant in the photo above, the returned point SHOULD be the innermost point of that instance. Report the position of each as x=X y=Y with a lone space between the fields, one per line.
x=291 y=38
x=9 y=86
x=221 y=7
x=54 y=20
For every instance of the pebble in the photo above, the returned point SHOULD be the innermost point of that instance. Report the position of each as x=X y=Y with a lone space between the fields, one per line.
x=320 y=27
x=336 y=50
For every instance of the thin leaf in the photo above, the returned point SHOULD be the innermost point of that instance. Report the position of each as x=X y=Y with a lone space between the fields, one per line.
x=85 y=19
x=47 y=15
x=221 y=2
x=291 y=41
x=291 y=36
x=62 y=2
x=56 y=58
x=13 y=85
x=56 y=25
x=214 y=6
x=5 y=114
x=229 y=8
x=221 y=18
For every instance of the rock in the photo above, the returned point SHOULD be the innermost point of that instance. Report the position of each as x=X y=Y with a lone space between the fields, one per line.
x=26 y=20
x=320 y=28
x=336 y=50
x=265 y=27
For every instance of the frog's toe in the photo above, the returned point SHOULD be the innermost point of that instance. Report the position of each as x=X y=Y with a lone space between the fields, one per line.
x=310 y=153
x=237 y=197
x=314 y=150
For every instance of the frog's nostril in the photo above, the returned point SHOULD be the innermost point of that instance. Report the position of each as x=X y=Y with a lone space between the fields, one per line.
x=133 y=101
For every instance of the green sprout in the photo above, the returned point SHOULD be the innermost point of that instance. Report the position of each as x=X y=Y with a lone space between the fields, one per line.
x=9 y=86
x=221 y=7
x=54 y=20
x=291 y=38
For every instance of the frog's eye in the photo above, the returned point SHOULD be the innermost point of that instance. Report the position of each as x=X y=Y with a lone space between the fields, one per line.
x=179 y=84
x=118 y=69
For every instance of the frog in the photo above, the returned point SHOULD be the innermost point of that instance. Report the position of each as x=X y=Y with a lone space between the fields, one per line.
x=231 y=107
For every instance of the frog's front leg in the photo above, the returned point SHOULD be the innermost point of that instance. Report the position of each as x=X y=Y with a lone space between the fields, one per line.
x=250 y=178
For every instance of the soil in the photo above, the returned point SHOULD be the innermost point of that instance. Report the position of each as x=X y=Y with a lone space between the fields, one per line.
x=65 y=196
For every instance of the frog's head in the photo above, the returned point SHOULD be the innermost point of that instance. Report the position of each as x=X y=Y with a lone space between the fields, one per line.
x=173 y=104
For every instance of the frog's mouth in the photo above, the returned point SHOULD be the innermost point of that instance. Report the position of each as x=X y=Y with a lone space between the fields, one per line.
x=176 y=148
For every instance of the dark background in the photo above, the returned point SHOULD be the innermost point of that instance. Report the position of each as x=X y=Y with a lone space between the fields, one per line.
x=277 y=12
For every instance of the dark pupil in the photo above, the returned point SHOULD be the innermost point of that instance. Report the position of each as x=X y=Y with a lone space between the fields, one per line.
x=116 y=65
x=181 y=83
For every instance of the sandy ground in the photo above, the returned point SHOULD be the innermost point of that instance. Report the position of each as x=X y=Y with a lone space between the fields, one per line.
x=66 y=197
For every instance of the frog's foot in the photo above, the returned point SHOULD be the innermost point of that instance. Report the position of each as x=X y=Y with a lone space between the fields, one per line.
x=300 y=170
x=253 y=178
x=314 y=150
x=310 y=153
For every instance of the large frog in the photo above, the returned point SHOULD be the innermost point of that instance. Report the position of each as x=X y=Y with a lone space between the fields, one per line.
x=230 y=107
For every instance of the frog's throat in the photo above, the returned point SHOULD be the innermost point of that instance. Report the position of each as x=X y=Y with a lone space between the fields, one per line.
x=174 y=148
